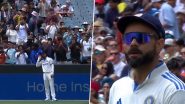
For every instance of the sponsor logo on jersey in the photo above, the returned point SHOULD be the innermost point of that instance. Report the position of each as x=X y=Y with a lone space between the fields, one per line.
x=149 y=100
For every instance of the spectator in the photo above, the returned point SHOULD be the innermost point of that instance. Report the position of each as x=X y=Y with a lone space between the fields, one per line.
x=75 y=48
x=181 y=22
x=112 y=45
x=61 y=49
x=51 y=29
x=169 y=49
x=76 y=32
x=116 y=61
x=67 y=9
x=5 y=12
x=94 y=92
x=10 y=54
x=17 y=17
x=12 y=34
x=35 y=51
x=182 y=73
x=106 y=71
x=21 y=56
x=68 y=37
x=111 y=13
x=167 y=16
x=106 y=85
x=43 y=7
x=54 y=6
x=86 y=43
x=48 y=47
x=99 y=56
x=174 y=65
x=22 y=28
x=33 y=23
x=86 y=27
x=179 y=44
x=3 y=28
x=182 y=53
x=2 y=56
x=100 y=9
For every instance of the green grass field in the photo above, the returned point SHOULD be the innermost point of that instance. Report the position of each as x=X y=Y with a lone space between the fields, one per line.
x=44 y=102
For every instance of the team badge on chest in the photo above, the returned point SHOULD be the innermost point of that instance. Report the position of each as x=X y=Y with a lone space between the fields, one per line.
x=149 y=100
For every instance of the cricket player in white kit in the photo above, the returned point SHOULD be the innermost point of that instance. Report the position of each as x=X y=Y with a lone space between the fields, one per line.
x=149 y=81
x=48 y=75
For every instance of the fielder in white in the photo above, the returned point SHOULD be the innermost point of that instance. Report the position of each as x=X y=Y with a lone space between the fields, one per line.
x=149 y=81
x=48 y=75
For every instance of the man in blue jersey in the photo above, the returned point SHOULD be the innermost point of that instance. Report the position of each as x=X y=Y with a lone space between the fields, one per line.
x=149 y=80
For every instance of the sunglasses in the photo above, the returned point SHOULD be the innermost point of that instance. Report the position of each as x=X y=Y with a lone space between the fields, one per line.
x=104 y=68
x=141 y=37
x=116 y=53
x=106 y=87
x=182 y=53
x=113 y=45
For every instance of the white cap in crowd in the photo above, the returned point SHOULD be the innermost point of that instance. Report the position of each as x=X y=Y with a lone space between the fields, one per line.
x=169 y=42
x=99 y=48
x=34 y=13
x=154 y=1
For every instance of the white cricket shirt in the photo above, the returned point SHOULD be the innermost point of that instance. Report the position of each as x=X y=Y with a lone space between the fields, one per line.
x=47 y=64
x=160 y=87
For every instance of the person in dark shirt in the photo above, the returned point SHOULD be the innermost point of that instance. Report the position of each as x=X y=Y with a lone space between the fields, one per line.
x=75 y=50
x=61 y=50
x=111 y=13
x=2 y=56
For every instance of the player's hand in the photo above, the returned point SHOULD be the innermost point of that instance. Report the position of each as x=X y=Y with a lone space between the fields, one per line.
x=52 y=75
x=39 y=58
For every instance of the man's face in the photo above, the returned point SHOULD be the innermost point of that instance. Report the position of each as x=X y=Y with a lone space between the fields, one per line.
x=99 y=7
x=112 y=4
x=44 y=55
x=113 y=45
x=99 y=56
x=139 y=54
x=156 y=4
x=172 y=2
x=10 y=45
x=182 y=52
x=114 y=53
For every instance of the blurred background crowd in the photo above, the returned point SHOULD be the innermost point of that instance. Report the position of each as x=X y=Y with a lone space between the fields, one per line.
x=62 y=28
x=108 y=60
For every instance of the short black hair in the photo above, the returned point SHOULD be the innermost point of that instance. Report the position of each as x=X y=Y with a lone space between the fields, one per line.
x=180 y=42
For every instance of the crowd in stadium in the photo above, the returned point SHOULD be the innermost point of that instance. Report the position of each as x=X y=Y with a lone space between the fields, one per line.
x=108 y=60
x=29 y=27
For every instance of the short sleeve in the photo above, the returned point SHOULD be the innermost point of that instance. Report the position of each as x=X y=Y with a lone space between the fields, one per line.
x=177 y=98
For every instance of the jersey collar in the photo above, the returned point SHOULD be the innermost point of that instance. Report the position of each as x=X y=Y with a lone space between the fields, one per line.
x=157 y=71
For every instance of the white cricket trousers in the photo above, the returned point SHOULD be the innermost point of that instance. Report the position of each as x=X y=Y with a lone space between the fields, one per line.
x=49 y=85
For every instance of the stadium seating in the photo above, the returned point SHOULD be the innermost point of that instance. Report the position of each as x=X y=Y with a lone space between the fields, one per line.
x=83 y=11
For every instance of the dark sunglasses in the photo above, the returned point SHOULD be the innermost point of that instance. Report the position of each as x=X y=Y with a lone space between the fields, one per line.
x=141 y=37
x=182 y=53
x=116 y=53
x=104 y=67
x=113 y=45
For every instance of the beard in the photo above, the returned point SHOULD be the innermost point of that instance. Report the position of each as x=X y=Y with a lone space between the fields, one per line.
x=143 y=59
